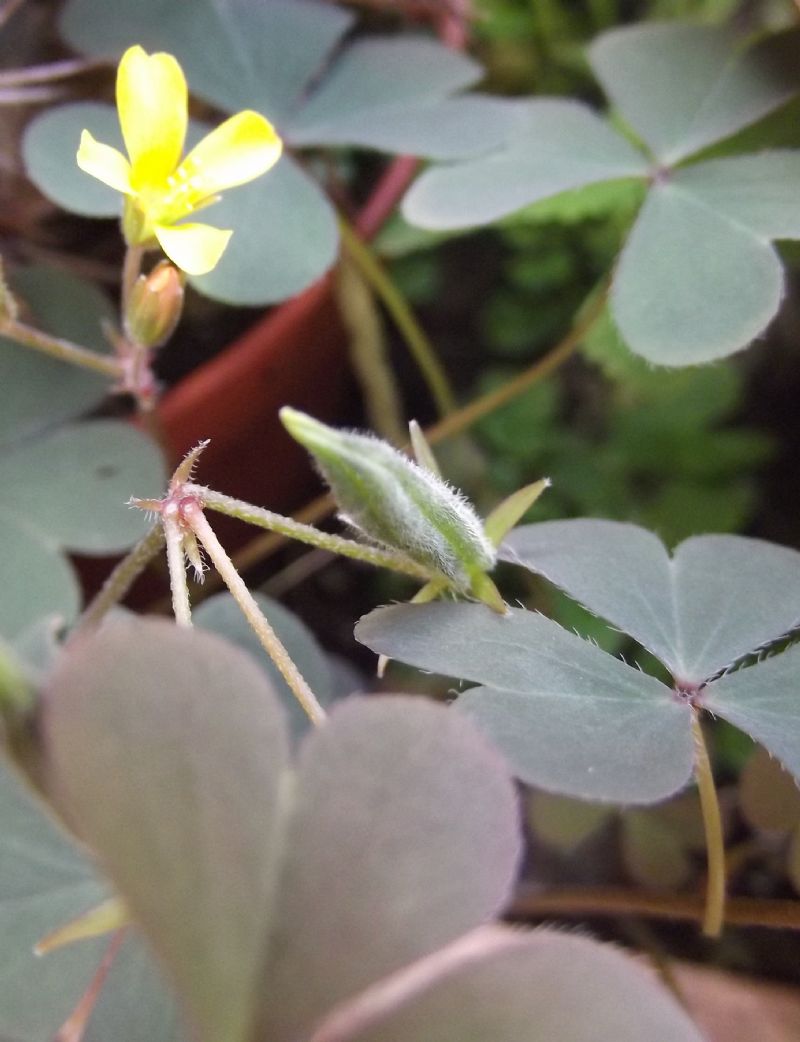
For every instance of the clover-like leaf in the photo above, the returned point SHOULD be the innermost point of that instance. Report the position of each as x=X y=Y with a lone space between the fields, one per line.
x=189 y=827
x=37 y=392
x=698 y=278
x=221 y=614
x=683 y=87
x=552 y=146
x=73 y=485
x=396 y=830
x=45 y=881
x=236 y=54
x=692 y=285
x=717 y=599
x=570 y=718
x=67 y=490
x=513 y=988
x=573 y=720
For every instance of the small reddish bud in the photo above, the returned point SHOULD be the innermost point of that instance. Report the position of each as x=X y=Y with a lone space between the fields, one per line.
x=154 y=306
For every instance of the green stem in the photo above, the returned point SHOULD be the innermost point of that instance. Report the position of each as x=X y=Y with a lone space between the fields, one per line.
x=395 y=303
x=368 y=352
x=714 y=916
x=181 y=605
x=131 y=269
x=196 y=519
x=121 y=579
x=286 y=526
x=64 y=350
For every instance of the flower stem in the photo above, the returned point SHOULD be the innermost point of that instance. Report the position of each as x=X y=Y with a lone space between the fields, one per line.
x=713 y=918
x=121 y=579
x=131 y=269
x=292 y=529
x=193 y=516
x=395 y=303
x=181 y=605
x=64 y=350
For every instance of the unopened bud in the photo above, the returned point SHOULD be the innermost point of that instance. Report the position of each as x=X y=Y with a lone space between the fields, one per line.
x=154 y=306
x=396 y=502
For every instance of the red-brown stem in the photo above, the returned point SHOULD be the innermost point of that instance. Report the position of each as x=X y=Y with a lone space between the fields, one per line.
x=72 y=1030
x=385 y=196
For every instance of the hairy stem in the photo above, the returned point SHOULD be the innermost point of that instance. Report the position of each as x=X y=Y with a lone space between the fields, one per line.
x=261 y=547
x=181 y=605
x=395 y=303
x=196 y=519
x=64 y=350
x=121 y=579
x=292 y=529
x=715 y=841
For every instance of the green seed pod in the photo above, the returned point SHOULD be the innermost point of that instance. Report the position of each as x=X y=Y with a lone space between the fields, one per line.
x=396 y=503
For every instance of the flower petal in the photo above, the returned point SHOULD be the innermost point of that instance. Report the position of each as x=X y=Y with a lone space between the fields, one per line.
x=239 y=150
x=152 y=100
x=194 y=248
x=105 y=163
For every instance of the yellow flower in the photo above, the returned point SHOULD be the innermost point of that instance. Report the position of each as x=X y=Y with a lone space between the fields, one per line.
x=160 y=189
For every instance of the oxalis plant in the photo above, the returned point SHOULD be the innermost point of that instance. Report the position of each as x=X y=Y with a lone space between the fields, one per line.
x=179 y=860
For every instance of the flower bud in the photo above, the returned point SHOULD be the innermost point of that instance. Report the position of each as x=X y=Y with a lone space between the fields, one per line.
x=395 y=502
x=154 y=306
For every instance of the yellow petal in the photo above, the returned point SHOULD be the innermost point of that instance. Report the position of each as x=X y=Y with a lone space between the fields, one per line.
x=104 y=162
x=152 y=100
x=194 y=248
x=240 y=149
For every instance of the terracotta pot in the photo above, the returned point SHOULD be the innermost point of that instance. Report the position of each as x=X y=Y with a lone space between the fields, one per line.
x=293 y=356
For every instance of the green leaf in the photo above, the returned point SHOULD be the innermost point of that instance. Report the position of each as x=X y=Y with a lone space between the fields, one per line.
x=541 y=987
x=399 y=829
x=49 y=150
x=438 y=128
x=285 y=237
x=186 y=741
x=37 y=392
x=73 y=485
x=221 y=614
x=570 y=718
x=764 y=701
x=683 y=87
x=554 y=146
x=45 y=882
x=236 y=54
x=394 y=94
x=717 y=599
x=37 y=580
x=692 y=285
x=405 y=835
x=758 y=191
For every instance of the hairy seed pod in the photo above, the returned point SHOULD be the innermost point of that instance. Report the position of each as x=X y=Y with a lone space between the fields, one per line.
x=396 y=503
